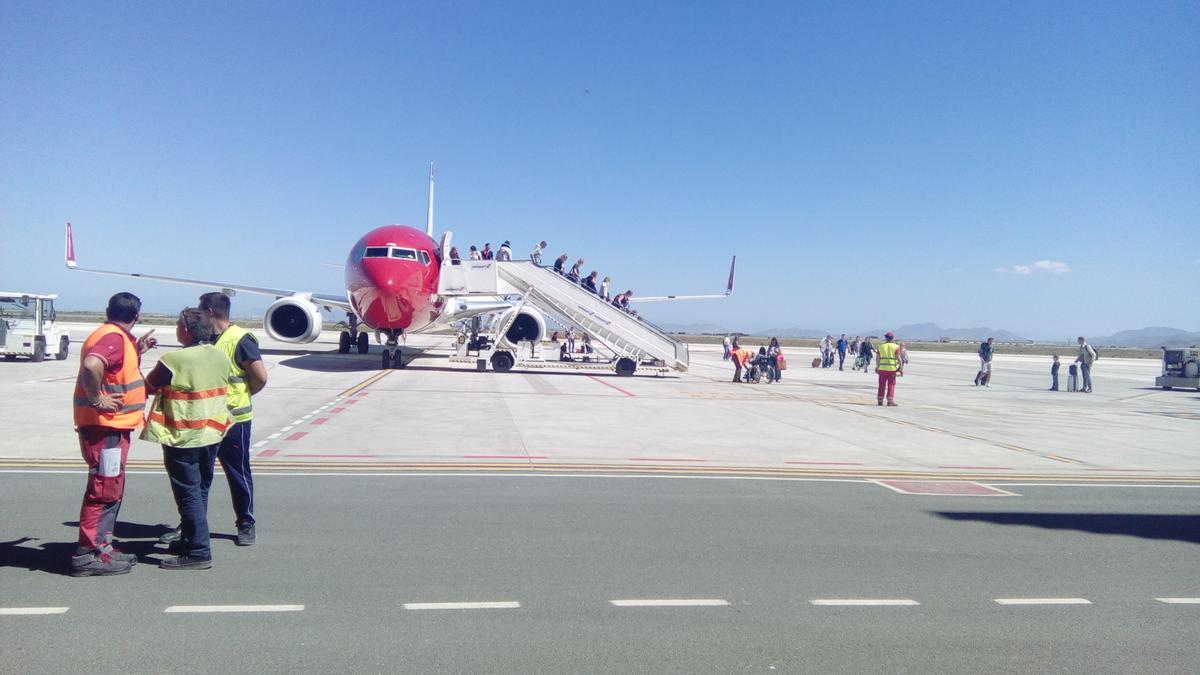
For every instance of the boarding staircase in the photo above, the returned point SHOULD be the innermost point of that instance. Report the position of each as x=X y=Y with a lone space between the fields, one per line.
x=626 y=335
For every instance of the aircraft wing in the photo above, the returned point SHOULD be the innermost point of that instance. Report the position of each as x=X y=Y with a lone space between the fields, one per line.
x=325 y=300
x=663 y=298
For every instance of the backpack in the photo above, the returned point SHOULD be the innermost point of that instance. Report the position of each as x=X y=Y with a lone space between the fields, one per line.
x=1095 y=353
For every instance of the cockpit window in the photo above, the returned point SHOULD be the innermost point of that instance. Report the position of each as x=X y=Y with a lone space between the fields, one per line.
x=376 y=252
x=404 y=253
x=424 y=258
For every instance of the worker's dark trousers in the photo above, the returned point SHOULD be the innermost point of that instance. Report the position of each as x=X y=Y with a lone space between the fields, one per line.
x=737 y=372
x=235 y=462
x=841 y=359
x=191 y=474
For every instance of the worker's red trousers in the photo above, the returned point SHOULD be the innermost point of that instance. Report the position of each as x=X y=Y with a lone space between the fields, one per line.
x=887 y=384
x=105 y=451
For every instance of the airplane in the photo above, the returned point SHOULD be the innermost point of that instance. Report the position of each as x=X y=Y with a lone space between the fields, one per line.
x=391 y=276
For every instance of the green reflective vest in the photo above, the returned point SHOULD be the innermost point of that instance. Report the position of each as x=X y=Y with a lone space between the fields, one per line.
x=192 y=411
x=889 y=356
x=240 y=406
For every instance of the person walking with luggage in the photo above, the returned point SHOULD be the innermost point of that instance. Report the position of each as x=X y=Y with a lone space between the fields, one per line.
x=774 y=353
x=725 y=345
x=189 y=419
x=888 y=367
x=108 y=401
x=984 y=376
x=1086 y=359
x=865 y=351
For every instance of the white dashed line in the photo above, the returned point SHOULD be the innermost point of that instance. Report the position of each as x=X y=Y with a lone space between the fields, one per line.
x=287 y=429
x=1043 y=601
x=1180 y=601
x=859 y=602
x=462 y=605
x=31 y=611
x=308 y=416
x=274 y=436
x=260 y=444
x=298 y=422
x=212 y=609
x=680 y=602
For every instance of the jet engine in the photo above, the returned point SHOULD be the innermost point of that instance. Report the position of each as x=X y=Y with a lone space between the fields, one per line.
x=293 y=320
x=528 y=325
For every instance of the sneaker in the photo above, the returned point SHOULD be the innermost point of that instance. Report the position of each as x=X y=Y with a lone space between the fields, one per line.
x=98 y=565
x=245 y=535
x=185 y=562
x=892 y=404
x=171 y=536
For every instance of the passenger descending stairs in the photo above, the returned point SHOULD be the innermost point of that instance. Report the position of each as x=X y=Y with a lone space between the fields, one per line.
x=624 y=334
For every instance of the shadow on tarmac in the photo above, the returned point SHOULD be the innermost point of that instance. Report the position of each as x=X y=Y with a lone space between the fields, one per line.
x=1147 y=526
x=54 y=557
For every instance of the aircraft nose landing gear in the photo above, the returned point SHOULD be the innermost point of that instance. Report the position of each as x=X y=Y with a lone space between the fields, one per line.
x=393 y=357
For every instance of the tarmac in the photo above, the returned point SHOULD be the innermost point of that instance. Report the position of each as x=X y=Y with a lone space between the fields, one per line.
x=331 y=411
x=435 y=518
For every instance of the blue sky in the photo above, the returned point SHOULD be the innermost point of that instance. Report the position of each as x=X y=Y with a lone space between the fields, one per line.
x=1028 y=166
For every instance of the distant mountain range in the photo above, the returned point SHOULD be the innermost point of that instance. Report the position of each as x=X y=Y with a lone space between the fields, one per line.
x=929 y=332
x=1149 y=338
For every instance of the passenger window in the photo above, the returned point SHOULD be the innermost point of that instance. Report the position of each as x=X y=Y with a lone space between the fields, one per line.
x=404 y=253
x=376 y=252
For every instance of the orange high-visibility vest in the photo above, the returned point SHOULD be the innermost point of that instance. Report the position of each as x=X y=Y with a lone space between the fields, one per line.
x=126 y=383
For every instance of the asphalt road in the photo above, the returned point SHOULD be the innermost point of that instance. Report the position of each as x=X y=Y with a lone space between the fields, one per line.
x=354 y=550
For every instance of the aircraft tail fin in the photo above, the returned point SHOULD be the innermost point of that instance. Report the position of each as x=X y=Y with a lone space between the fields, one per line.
x=429 y=210
x=69 y=254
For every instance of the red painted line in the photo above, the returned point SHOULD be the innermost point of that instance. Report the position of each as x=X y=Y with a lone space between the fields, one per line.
x=503 y=457
x=363 y=393
x=352 y=401
x=1118 y=469
x=991 y=468
x=268 y=453
x=831 y=463
x=665 y=459
x=296 y=436
x=320 y=420
x=336 y=410
x=301 y=454
x=613 y=386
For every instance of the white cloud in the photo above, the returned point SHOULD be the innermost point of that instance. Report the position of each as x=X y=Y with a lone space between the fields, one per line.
x=1048 y=266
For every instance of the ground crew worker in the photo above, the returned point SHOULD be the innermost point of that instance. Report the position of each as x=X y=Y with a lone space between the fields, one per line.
x=189 y=418
x=740 y=356
x=247 y=376
x=887 y=365
x=109 y=397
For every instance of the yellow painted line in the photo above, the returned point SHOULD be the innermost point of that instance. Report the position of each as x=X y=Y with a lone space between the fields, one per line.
x=366 y=383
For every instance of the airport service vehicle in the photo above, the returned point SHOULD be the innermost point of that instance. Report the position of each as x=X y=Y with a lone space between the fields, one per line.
x=399 y=280
x=27 y=327
x=1181 y=368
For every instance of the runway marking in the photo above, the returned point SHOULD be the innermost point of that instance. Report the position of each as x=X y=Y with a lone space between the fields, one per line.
x=333 y=411
x=287 y=428
x=274 y=436
x=299 y=422
x=357 y=390
x=979 y=468
x=461 y=605
x=32 y=611
x=1180 y=601
x=317 y=411
x=308 y=415
x=665 y=459
x=676 y=602
x=343 y=456
x=611 y=386
x=319 y=421
x=219 y=609
x=829 y=463
x=260 y=444
x=1123 y=470
x=268 y=453
x=1043 y=601
x=944 y=488
x=505 y=457
x=857 y=602
x=296 y=436
x=352 y=401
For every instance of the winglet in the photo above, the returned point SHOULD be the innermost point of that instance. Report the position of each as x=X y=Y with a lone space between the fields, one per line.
x=729 y=286
x=70 y=252
x=429 y=211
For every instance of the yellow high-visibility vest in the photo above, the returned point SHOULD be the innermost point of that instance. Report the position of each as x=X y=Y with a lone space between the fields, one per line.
x=240 y=405
x=192 y=411
x=889 y=356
